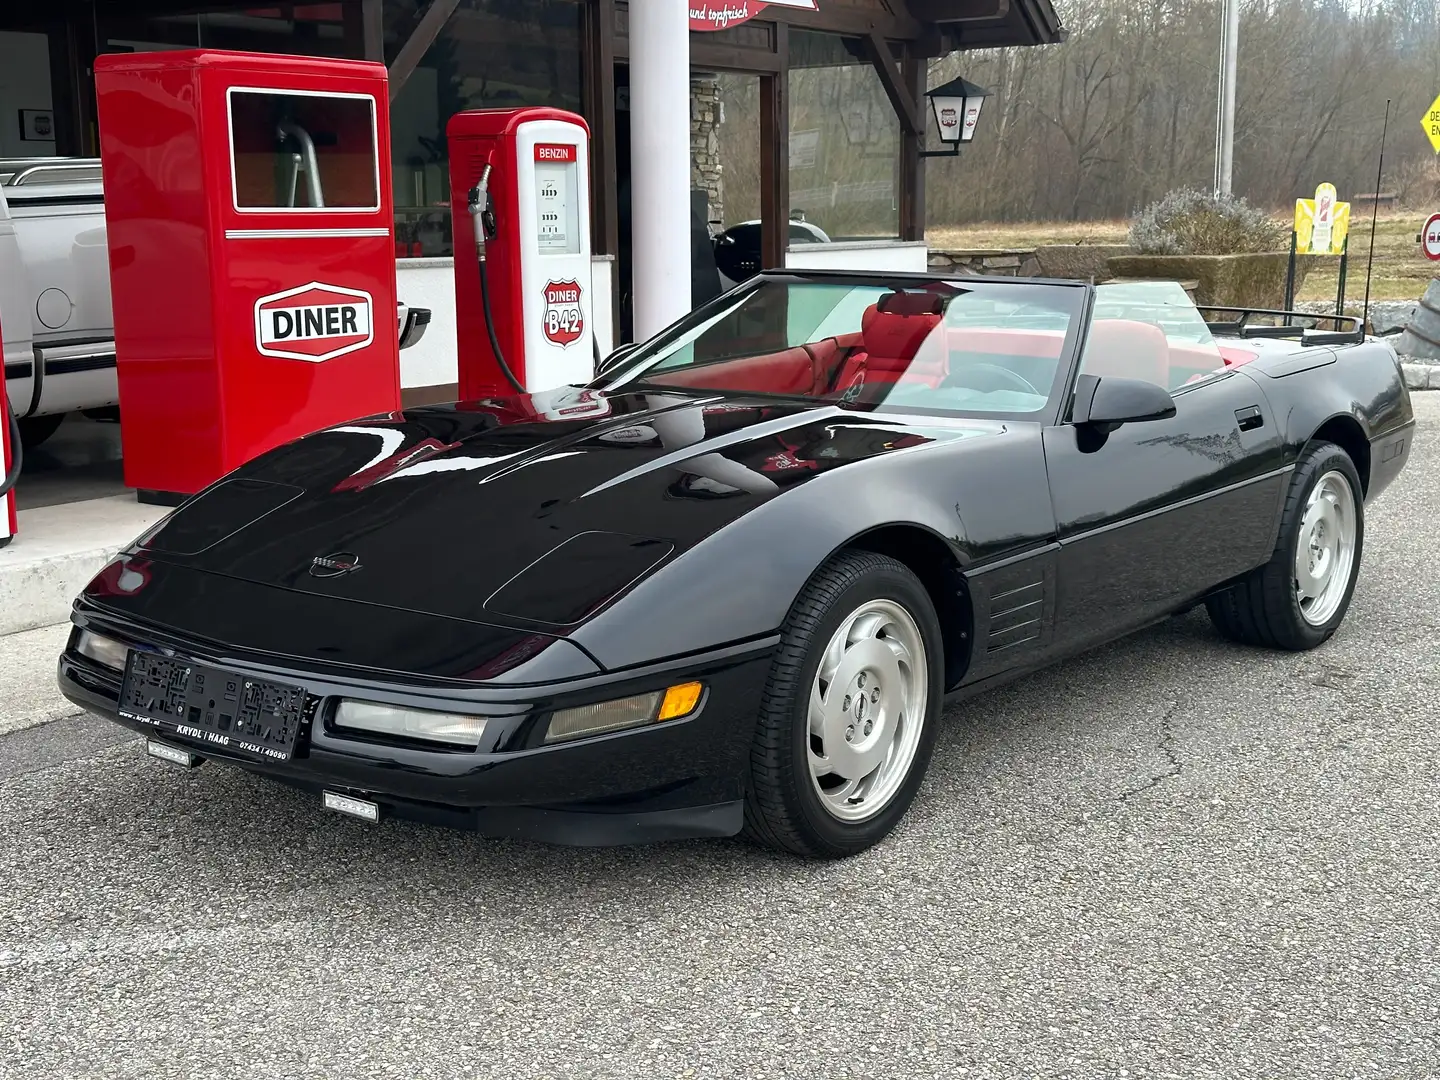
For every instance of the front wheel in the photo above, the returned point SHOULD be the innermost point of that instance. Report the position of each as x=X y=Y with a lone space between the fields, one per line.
x=848 y=720
x=1298 y=599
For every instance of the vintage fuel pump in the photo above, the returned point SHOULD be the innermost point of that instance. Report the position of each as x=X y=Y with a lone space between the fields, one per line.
x=10 y=455
x=252 y=260
x=523 y=301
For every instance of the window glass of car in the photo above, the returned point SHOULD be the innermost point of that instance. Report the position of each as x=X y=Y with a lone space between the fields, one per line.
x=1149 y=330
x=980 y=348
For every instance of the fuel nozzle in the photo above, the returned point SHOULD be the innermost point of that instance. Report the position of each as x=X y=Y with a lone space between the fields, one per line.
x=482 y=219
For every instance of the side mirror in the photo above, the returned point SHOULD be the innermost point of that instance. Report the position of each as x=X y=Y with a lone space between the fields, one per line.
x=1105 y=404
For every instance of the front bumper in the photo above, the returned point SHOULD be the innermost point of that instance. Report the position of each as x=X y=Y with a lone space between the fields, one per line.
x=672 y=780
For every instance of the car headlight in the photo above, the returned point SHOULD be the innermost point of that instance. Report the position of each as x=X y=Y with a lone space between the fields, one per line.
x=453 y=728
x=672 y=703
x=107 y=652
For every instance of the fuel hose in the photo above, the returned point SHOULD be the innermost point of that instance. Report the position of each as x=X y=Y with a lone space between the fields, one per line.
x=490 y=329
x=482 y=218
x=17 y=454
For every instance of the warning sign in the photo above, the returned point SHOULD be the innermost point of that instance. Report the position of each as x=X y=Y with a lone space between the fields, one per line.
x=1432 y=124
x=564 y=313
x=313 y=322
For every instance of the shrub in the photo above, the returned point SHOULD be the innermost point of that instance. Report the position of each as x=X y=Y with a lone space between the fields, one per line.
x=1193 y=222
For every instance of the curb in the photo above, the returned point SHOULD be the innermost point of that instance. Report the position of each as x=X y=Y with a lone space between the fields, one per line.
x=1421 y=376
x=56 y=552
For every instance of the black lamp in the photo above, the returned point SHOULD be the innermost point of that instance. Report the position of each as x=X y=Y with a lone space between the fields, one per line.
x=957 y=111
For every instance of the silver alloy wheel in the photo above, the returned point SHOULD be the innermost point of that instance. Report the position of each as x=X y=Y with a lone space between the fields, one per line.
x=1325 y=551
x=867 y=707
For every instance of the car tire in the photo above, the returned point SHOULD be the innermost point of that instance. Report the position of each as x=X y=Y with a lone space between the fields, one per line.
x=34 y=430
x=1267 y=607
x=868 y=619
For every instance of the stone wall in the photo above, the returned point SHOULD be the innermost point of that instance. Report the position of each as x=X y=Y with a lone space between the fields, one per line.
x=706 y=171
x=993 y=262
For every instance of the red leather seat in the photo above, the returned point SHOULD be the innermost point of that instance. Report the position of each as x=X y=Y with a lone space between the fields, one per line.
x=1127 y=349
x=898 y=342
x=791 y=371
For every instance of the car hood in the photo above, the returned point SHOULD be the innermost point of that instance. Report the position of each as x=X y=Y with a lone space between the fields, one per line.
x=533 y=512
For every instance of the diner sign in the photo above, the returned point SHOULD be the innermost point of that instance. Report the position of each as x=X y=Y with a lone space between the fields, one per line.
x=708 y=15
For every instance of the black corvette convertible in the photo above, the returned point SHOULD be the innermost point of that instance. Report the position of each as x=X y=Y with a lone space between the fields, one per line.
x=727 y=586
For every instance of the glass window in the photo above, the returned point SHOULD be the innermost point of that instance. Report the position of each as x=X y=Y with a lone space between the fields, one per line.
x=490 y=54
x=303 y=151
x=844 y=140
x=1149 y=330
x=940 y=347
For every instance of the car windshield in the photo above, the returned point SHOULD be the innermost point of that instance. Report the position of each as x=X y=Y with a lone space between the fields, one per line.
x=942 y=347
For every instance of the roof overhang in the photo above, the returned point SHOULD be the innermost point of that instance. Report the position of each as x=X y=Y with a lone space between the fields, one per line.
x=988 y=24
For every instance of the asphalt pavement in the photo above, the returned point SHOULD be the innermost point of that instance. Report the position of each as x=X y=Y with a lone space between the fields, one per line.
x=1172 y=857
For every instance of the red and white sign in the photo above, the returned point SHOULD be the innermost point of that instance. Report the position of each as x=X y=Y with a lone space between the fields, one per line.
x=1430 y=237
x=563 y=152
x=706 y=15
x=314 y=322
x=563 y=313
x=949 y=118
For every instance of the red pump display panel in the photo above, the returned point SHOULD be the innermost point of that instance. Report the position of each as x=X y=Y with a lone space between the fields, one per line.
x=252 y=263
x=538 y=260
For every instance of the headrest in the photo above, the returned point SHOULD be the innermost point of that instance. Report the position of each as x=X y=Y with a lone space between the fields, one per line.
x=893 y=335
x=1126 y=348
x=912 y=302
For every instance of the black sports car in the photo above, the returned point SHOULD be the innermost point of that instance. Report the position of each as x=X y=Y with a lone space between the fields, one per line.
x=727 y=586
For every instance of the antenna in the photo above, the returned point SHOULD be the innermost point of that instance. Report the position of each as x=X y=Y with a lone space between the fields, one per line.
x=1374 y=213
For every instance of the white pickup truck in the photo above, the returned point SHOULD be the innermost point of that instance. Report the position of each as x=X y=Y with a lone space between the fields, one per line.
x=59 y=334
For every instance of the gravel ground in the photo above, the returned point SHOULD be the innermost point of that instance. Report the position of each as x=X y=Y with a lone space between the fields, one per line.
x=1169 y=858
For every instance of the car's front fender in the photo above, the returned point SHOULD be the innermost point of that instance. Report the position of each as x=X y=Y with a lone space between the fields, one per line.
x=985 y=496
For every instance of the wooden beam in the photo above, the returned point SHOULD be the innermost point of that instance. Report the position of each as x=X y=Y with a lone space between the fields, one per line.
x=600 y=111
x=912 y=165
x=894 y=83
x=421 y=38
x=372 y=18
x=775 y=166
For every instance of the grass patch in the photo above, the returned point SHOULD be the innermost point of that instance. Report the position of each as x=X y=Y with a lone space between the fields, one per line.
x=1400 y=271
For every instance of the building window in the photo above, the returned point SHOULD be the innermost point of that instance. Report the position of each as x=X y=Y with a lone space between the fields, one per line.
x=844 y=140
x=490 y=54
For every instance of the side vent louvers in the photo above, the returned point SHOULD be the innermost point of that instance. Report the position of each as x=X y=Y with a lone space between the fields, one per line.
x=1015 y=616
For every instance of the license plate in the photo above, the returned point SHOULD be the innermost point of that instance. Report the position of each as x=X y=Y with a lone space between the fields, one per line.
x=345 y=804
x=172 y=754
x=218 y=708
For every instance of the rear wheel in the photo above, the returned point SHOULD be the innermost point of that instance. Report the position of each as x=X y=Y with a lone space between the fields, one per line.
x=847 y=725
x=1299 y=598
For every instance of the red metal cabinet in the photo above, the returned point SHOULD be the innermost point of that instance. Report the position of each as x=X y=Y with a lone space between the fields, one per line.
x=252 y=260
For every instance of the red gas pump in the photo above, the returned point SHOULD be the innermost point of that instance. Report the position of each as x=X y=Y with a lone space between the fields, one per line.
x=10 y=454
x=252 y=260
x=520 y=196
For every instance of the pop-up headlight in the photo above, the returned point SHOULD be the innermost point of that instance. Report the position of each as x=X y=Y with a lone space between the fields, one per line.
x=451 y=728
x=673 y=703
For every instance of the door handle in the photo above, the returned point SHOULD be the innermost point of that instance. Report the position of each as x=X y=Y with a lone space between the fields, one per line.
x=1249 y=417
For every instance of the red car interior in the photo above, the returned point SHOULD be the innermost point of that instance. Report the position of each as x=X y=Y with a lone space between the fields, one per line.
x=897 y=343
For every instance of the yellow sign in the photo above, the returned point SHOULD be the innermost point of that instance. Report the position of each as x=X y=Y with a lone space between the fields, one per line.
x=1432 y=124
x=1321 y=223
